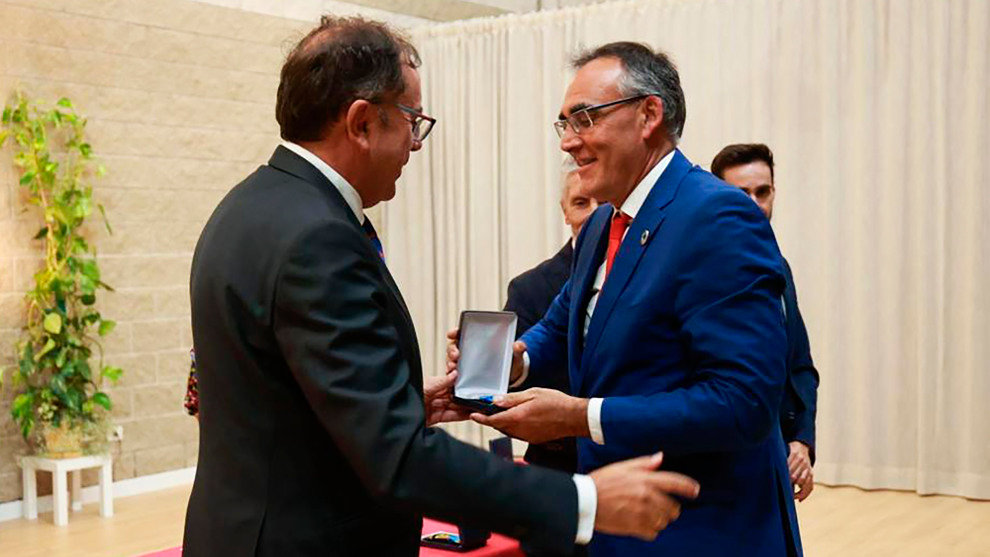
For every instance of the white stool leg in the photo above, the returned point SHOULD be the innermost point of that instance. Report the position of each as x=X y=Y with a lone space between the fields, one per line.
x=77 y=490
x=30 y=510
x=106 y=488
x=60 y=494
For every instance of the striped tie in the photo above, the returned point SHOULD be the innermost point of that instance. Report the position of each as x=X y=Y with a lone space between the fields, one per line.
x=369 y=229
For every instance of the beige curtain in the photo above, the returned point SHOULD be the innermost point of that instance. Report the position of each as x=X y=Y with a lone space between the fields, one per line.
x=878 y=113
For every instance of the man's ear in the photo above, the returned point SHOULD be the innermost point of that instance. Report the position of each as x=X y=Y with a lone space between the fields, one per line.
x=652 y=115
x=357 y=122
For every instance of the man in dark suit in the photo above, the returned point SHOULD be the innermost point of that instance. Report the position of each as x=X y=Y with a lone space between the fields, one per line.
x=749 y=167
x=530 y=295
x=314 y=417
x=675 y=280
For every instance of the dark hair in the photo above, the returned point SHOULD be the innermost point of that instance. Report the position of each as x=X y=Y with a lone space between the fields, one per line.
x=646 y=73
x=741 y=153
x=342 y=60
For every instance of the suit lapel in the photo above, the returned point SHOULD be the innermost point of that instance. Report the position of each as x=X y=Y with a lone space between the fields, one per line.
x=642 y=231
x=587 y=258
x=285 y=160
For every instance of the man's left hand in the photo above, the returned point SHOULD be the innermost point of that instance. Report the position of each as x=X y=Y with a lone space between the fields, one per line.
x=437 y=399
x=799 y=464
x=539 y=415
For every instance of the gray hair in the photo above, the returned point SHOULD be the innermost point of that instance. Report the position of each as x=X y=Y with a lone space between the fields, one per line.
x=568 y=166
x=647 y=72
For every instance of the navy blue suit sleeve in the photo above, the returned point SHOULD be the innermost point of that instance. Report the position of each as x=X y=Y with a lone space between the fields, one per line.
x=801 y=370
x=546 y=342
x=727 y=301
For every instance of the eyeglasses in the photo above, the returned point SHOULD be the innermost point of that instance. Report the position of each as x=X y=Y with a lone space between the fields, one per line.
x=421 y=123
x=581 y=119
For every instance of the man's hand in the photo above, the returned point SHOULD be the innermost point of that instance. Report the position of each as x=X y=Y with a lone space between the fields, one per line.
x=539 y=415
x=437 y=393
x=634 y=499
x=454 y=354
x=799 y=464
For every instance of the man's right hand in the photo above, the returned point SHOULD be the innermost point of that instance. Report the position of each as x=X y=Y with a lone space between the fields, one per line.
x=634 y=499
x=454 y=354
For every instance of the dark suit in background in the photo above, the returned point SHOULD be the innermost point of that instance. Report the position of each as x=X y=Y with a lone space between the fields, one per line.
x=312 y=428
x=530 y=295
x=797 y=413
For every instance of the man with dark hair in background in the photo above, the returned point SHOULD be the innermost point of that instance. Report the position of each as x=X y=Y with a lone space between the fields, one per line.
x=314 y=417
x=675 y=279
x=749 y=167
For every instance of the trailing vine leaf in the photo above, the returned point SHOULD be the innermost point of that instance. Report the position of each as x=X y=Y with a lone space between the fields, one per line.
x=103 y=400
x=112 y=373
x=48 y=347
x=53 y=323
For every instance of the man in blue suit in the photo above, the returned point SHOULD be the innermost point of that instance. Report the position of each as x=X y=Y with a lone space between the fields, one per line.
x=671 y=322
x=749 y=167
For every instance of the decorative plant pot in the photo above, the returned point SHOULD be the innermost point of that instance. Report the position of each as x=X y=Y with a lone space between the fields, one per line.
x=61 y=442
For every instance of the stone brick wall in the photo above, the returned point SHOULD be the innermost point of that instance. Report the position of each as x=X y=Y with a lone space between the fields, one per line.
x=180 y=100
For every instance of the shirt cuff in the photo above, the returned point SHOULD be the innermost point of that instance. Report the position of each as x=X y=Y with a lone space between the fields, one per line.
x=595 y=420
x=525 y=373
x=587 y=507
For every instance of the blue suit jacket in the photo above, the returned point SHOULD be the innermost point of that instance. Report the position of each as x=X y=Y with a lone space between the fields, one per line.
x=687 y=347
x=797 y=412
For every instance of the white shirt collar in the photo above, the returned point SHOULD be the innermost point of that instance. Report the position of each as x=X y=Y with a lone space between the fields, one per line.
x=345 y=188
x=635 y=201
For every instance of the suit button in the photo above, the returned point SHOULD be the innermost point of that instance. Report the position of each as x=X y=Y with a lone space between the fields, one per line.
x=791 y=416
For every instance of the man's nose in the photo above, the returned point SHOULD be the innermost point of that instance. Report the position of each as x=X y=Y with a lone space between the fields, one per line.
x=570 y=141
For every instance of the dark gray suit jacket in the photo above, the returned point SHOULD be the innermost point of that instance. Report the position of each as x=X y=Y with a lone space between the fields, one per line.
x=312 y=432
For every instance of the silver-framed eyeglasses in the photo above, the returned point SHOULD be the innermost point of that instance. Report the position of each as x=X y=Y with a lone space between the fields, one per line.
x=421 y=123
x=581 y=120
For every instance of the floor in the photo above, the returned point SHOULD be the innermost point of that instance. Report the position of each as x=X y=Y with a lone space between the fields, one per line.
x=840 y=521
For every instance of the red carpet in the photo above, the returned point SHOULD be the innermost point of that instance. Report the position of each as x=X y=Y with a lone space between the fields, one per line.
x=498 y=545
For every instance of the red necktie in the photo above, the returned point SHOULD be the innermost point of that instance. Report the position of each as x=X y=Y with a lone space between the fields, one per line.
x=620 y=222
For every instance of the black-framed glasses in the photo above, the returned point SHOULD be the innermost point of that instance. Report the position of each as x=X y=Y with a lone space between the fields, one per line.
x=421 y=123
x=581 y=120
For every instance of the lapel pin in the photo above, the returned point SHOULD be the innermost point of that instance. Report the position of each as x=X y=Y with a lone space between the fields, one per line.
x=644 y=237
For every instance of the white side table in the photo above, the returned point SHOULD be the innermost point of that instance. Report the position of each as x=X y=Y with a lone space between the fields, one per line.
x=59 y=467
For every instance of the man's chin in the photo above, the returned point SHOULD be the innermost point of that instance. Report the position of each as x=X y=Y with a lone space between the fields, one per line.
x=389 y=193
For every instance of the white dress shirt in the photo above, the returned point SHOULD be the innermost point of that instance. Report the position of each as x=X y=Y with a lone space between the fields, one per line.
x=586 y=491
x=347 y=191
x=631 y=207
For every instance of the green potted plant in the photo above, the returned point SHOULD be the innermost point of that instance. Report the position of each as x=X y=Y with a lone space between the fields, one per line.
x=60 y=406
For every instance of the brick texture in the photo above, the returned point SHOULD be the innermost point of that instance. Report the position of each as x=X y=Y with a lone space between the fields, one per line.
x=180 y=98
